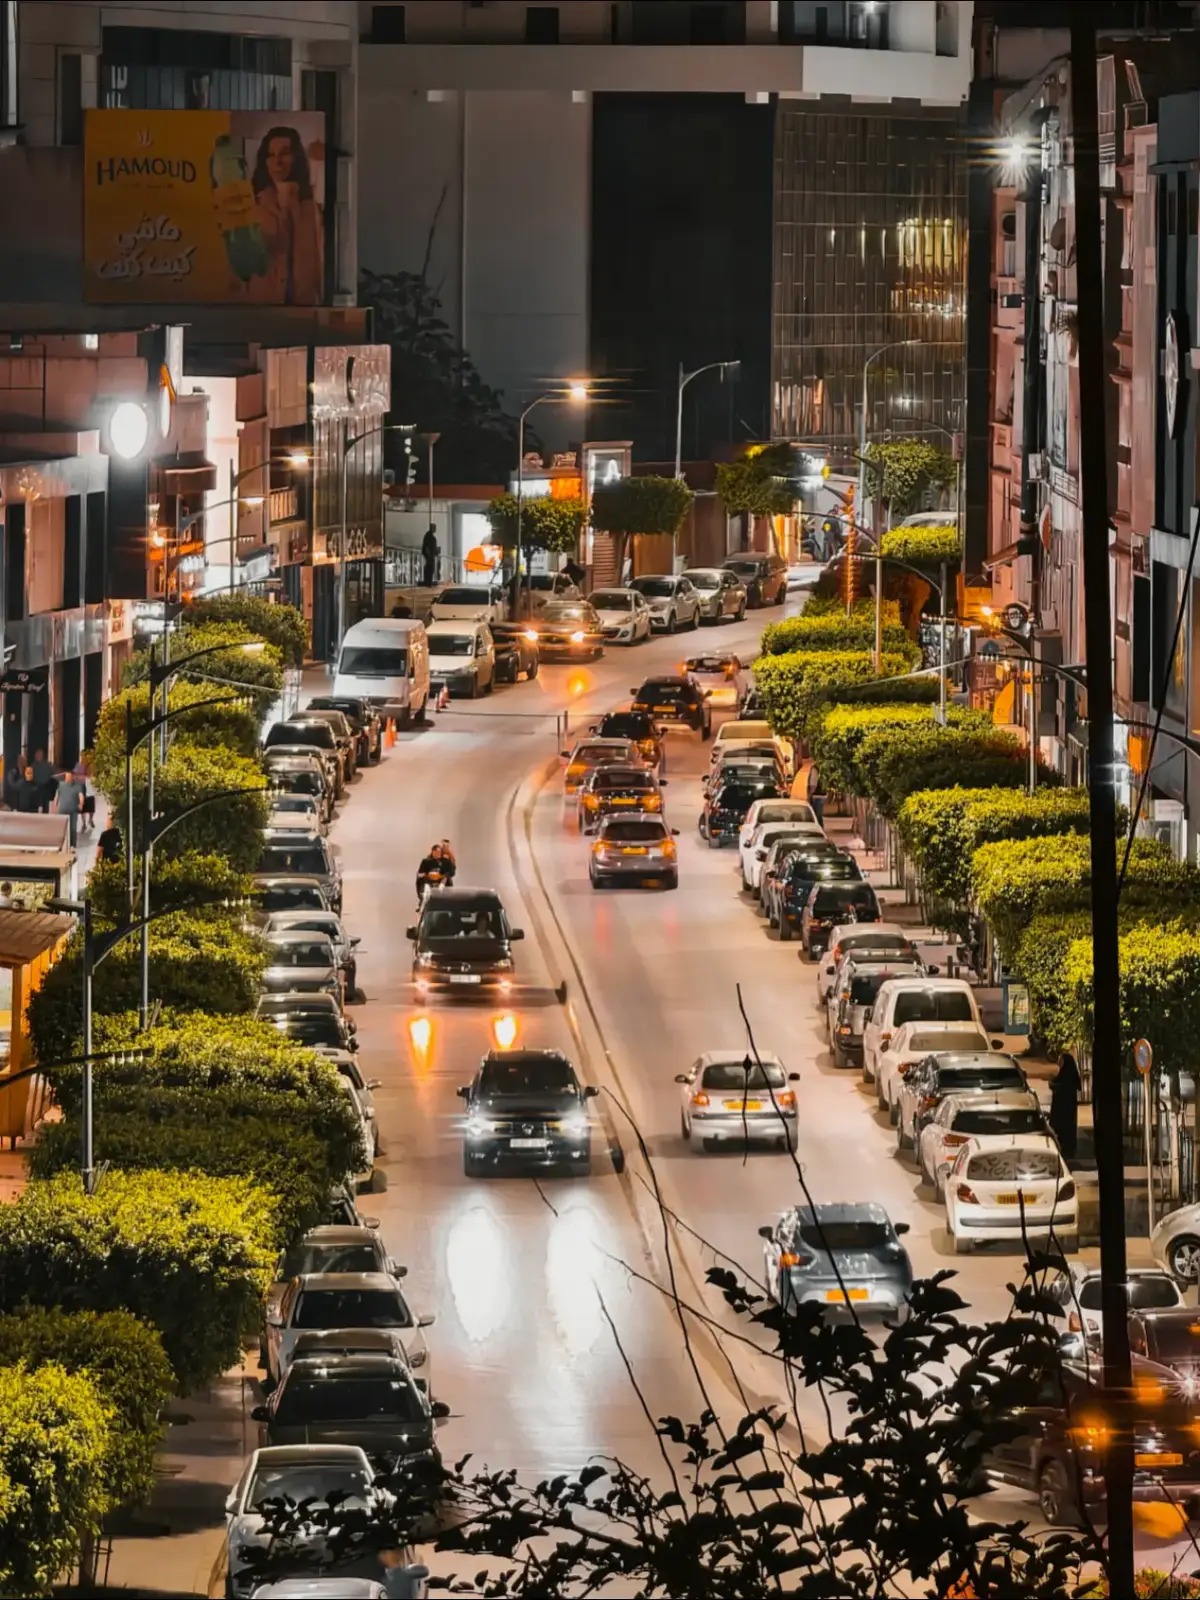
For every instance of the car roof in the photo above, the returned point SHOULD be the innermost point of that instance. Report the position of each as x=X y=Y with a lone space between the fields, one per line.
x=962 y=1060
x=454 y=894
x=847 y=930
x=298 y=1000
x=1153 y=1314
x=283 y=920
x=348 y=1280
x=290 y=880
x=672 y=679
x=842 y=1211
x=617 y=742
x=282 y=1455
x=613 y=769
x=525 y=1055
x=367 y=1364
x=938 y=983
x=996 y=1100
x=983 y=1143
x=735 y=1057
x=633 y=816
x=339 y=1233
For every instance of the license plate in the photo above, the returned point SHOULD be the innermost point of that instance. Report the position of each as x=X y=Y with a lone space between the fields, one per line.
x=464 y=977
x=527 y=1144
x=1016 y=1199
x=747 y=1105
x=634 y=850
x=837 y=1297
x=624 y=800
x=665 y=710
x=1168 y=1458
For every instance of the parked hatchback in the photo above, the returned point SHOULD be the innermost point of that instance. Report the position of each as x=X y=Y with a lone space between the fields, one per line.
x=673 y=601
x=301 y=961
x=834 y=1255
x=366 y=1400
x=722 y=594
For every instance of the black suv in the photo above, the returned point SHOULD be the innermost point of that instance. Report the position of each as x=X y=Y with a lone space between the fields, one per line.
x=368 y=729
x=637 y=726
x=463 y=942
x=831 y=904
x=527 y=1108
x=726 y=806
x=676 y=699
x=516 y=650
x=800 y=872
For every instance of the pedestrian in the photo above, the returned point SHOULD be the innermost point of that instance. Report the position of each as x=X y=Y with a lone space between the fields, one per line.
x=574 y=571
x=6 y=896
x=1064 y=1105
x=109 y=846
x=69 y=797
x=12 y=779
x=45 y=778
x=431 y=555
x=29 y=798
x=816 y=794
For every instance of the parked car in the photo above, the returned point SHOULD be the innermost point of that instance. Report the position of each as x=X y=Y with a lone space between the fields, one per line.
x=297 y=772
x=722 y=594
x=798 y=811
x=851 y=999
x=362 y=717
x=1078 y=1290
x=880 y=936
x=728 y=1099
x=307 y=855
x=300 y=962
x=343 y=1300
x=638 y=849
x=914 y=1042
x=765 y=577
x=832 y=1255
x=526 y=1108
x=721 y=675
x=329 y=925
x=779 y=853
x=332 y=1248
x=637 y=726
x=516 y=645
x=675 y=699
x=591 y=753
x=925 y=1084
x=935 y=999
x=617 y=791
x=348 y=1068
x=1175 y=1242
x=313 y=737
x=831 y=904
x=1010 y=1187
x=727 y=805
x=462 y=943
x=274 y=892
x=366 y=1400
x=739 y=760
x=781 y=834
x=753 y=730
x=298 y=811
x=569 y=631
x=673 y=601
x=797 y=875
x=315 y=1020
x=550 y=588
x=623 y=613
x=1169 y=1335
x=470 y=602
x=347 y=739
x=385 y=660
x=964 y=1116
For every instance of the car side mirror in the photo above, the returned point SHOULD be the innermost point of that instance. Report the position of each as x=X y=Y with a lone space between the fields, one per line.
x=369 y=1222
x=902 y=1227
x=411 y=931
x=357 y=940
x=374 y=1083
x=766 y=1232
x=260 y=1414
x=231 y=1498
x=352 y=1043
x=933 y=970
x=395 y=1270
x=682 y=1077
x=565 y=754
x=663 y=782
x=633 y=691
x=440 y=1410
x=593 y=727
x=675 y=833
x=427 y=1319
x=274 y=1320
x=590 y=1091
x=517 y=933
x=463 y=1091
x=793 y=1077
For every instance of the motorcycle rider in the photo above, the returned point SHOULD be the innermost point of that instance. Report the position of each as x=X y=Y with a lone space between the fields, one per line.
x=432 y=873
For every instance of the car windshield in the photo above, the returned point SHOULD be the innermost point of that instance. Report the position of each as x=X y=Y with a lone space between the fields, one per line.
x=953 y=1079
x=316 y=954
x=656 y=588
x=744 y=569
x=948 y=1041
x=326 y=924
x=464 y=596
x=1013 y=1119
x=315 y=1257
x=1143 y=1293
x=304 y=783
x=351 y=1308
x=373 y=661
x=845 y=1236
x=661 y=689
x=720 y=664
x=788 y=811
x=1002 y=1166
x=1178 y=1339
x=864 y=989
x=451 y=644
x=316 y=1480
x=611 y=600
x=521 y=1075
x=728 y=1076
x=705 y=580
x=932 y=1005
x=627 y=725
x=315 y=733
x=327 y=1397
x=593 y=755
x=291 y=897
x=833 y=902
x=480 y=919
x=278 y=856
x=739 y=796
x=634 y=832
x=293 y=802
x=574 y=612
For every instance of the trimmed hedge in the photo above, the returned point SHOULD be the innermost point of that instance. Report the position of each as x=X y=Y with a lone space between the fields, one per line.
x=833 y=630
x=124 y=1359
x=54 y=1443
x=201 y=884
x=897 y=762
x=235 y=725
x=927 y=544
x=793 y=685
x=280 y=625
x=842 y=729
x=259 y=671
x=862 y=610
x=232 y=828
x=192 y=1256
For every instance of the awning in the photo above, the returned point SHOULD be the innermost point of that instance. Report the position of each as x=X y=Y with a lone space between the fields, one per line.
x=25 y=935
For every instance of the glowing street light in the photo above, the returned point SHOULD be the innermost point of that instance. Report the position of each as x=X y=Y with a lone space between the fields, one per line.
x=128 y=429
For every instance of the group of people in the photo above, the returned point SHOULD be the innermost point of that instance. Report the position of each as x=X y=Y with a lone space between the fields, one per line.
x=437 y=869
x=35 y=784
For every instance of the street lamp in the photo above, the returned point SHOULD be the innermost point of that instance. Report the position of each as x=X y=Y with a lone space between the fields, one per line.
x=348 y=445
x=730 y=372
x=128 y=429
x=577 y=393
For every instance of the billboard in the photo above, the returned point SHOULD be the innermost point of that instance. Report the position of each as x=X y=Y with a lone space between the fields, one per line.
x=204 y=206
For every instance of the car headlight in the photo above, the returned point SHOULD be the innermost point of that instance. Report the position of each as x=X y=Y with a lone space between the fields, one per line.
x=575 y=1125
x=504 y=964
x=578 y=637
x=425 y=960
x=478 y=1126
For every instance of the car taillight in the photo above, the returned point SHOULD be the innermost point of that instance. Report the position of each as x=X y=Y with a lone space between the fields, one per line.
x=1090 y=1435
x=1073 y=1323
x=954 y=1139
x=790 y=1258
x=701 y=1099
x=651 y=802
x=1067 y=1191
x=668 y=847
x=786 y=1099
x=967 y=1195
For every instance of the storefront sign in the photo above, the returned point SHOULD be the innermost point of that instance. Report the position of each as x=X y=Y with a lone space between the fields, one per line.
x=120 y=620
x=24 y=680
x=1016 y=1007
x=212 y=206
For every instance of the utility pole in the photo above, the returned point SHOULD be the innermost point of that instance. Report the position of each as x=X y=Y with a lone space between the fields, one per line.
x=1106 y=1050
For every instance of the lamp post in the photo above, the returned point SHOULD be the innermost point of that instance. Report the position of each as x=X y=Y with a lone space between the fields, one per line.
x=347 y=446
x=860 y=497
x=730 y=371
x=893 y=561
x=576 y=392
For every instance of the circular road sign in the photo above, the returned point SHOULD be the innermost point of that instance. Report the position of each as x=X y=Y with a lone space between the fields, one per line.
x=1143 y=1056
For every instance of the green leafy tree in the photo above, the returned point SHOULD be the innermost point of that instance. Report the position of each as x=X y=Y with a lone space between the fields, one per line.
x=233 y=725
x=546 y=523
x=906 y=473
x=760 y=483
x=281 y=626
x=206 y=885
x=923 y=546
x=259 y=670
x=639 y=505
x=232 y=827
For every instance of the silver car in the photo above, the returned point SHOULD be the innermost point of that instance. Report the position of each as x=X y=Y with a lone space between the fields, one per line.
x=302 y=811
x=291 y=853
x=721 y=593
x=673 y=601
x=301 y=962
x=634 y=849
x=332 y=1248
x=329 y=925
x=728 y=1099
x=838 y=1254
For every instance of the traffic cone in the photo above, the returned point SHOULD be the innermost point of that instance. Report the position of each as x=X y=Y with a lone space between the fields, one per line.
x=389 y=733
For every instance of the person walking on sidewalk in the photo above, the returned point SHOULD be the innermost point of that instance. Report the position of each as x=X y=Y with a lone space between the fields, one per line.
x=1064 y=1106
x=29 y=796
x=45 y=778
x=69 y=799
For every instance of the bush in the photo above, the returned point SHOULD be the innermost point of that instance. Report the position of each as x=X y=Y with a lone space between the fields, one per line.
x=203 y=884
x=842 y=729
x=232 y=725
x=195 y=962
x=834 y=630
x=546 y=523
x=54 y=1442
x=892 y=761
x=232 y=828
x=925 y=545
x=124 y=1359
x=260 y=670
x=280 y=625
x=792 y=685
x=191 y=1256
x=863 y=610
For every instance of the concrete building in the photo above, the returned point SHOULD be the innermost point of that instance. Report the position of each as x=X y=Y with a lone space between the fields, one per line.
x=595 y=187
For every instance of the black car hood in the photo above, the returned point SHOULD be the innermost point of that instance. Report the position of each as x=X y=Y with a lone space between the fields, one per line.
x=548 y=1108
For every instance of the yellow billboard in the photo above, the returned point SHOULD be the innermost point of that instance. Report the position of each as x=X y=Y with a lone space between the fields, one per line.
x=204 y=206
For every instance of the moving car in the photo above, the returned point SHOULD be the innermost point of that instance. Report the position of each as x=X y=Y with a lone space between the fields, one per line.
x=526 y=1108
x=299 y=961
x=838 y=1254
x=623 y=613
x=676 y=699
x=301 y=774
x=462 y=656
x=727 y=805
x=516 y=646
x=469 y=602
x=923 y=1085
x=462 y=943
x=911 y=1000
x=372 y=1401
x=781 y=834
x=299 y=811
x=1077 y=1289
x=727 y=1098
x=1175 y=1243
x=306 y=855
x=765 y=577
x=385 y=661
x=1010 y=1186
x=851 y=999
x=880 y=936
x=616 y=791
x=329 y=925
x=589 y=754
x=719 y=674
x=569 y=631
x=275 y=891
x=312 y=1019
x=637 y=726
x=634 y=849
x=721 y=594
x=368 y=728
x=1170 y=1335
x=299 y=1474
x=673 y=601
x=963 y=1116
x=831 y=904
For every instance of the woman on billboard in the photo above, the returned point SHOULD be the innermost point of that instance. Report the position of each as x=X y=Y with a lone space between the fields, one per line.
x=290 y=219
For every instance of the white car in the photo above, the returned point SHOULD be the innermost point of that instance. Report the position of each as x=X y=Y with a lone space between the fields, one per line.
x=774 y=811
x=726 y=1098
x=889 y=938
x=475 y=602
x=673 y=601
x=323 y=1300
x=550 y=589
x=299 y=811
x=930 y=999
x=1077 y=1290
x=295 y=1472
x=624 y=614
x=1175 y=1243
x=754 y=854
x=1009 y=1187
x=964 y=1116
x=913 y=1041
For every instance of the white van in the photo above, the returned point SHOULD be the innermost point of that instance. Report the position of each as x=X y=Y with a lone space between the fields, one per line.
x=462 y=655
x=385 y=661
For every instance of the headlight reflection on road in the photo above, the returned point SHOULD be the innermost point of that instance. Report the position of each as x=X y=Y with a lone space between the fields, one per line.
x=420 y=1036
x=504 y=1031
x=480 y=1276
x=572 y=1264
x=579 y=683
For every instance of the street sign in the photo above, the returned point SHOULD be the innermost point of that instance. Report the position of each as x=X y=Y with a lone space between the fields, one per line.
x=1143 y=1056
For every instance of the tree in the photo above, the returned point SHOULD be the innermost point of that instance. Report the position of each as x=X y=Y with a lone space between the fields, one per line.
x=437 y=384
x=630 y=506
x=761 y=483
x=905 y=473
x=546 y=523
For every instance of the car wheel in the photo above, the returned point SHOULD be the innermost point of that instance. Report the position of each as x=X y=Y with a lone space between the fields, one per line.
x=533 y=671
x=866 y=1076
x=1183 y=1257
x=695 y=622
x=785 y=930
x=741 y=614
x=672 y=622
x=709 y=1144
x=1056 y=1495
x=490 y=686
x=880 y=1098
x=903 y=1141
x=893 y=1111
x=672 y=882
x=839 y=1059
x=962 y=1247
x=706 y=731
x=788 y=1142
x=684 y=1134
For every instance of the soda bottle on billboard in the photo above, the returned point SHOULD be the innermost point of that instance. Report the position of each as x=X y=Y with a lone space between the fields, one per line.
x=233 y=201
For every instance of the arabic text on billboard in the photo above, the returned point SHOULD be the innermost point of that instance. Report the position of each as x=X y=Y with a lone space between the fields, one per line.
x=204 y=206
